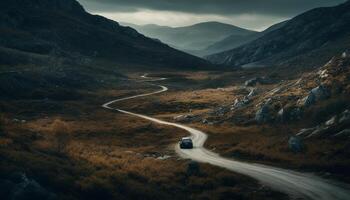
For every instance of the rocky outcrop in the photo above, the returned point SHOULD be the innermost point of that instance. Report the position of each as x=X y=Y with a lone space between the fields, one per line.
x=336 y=126
x=315 y=95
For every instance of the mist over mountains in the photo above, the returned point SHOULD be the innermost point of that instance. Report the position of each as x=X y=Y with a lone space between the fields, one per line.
x=193 y=39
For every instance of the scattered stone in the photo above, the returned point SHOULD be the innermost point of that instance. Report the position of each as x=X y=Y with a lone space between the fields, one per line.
x=305 y=132
x=253 y=92
x=263 y=114
x=295 y=144
x=319 y=131
x=165 y=157
x=184 y=118
x=220 y=111
x=240 y=103
x=332 y=121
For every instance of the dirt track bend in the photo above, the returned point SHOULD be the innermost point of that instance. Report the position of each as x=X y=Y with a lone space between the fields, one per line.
x=296 y=184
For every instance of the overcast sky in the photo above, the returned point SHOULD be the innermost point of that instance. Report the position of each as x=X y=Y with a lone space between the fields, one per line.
x=252 y=14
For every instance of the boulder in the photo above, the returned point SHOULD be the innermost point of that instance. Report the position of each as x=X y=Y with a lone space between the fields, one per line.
x=317 y=94
x=263 y=114
x=320 y=93
x=309 y=100
x=289 y=114
x=295 y=144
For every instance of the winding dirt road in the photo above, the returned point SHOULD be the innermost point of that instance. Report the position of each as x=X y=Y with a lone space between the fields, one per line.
x=295 y=184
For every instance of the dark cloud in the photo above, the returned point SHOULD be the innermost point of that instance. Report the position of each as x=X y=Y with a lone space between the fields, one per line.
x=283 y=8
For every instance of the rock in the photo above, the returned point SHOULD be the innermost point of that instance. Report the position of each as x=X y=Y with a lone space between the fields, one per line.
x=165 y=157
x=323 y=74
x=305 y=132
x=240 y=103
x=184 y=118
x=332 y=121
x=320 y=93
x=308 y=100
x=317 y=94
x=281 y=112
x=319 y=131
x=263 y=114
x=343 y=133
x=295 y=144
x=252 y=93
x=289 y=114
x=344 y=117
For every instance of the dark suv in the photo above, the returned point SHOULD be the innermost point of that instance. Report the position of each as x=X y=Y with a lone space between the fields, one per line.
x=186 y=143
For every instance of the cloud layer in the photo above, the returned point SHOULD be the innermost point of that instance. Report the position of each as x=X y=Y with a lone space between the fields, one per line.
x=219 y=7
x=253 y=14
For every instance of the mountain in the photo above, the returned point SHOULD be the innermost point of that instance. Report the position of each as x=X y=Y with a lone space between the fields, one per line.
x=191 y=38
x=34 y=29
x=309 y=39
x=234 y=41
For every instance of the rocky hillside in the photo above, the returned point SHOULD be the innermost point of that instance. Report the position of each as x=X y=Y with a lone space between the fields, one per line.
x=33 y=29
x=194 y=38
x=309 y=39
x=317 y=103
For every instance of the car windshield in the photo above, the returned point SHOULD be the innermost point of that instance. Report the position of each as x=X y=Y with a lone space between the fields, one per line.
x=187 y=140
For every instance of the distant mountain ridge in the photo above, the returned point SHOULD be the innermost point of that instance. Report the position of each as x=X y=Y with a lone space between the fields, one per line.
x=309 y=39
x=234 y=41
x=63 y=27
x=191 y=38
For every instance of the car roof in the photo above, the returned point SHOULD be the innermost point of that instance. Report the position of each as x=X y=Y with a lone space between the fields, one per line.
x=186 y=138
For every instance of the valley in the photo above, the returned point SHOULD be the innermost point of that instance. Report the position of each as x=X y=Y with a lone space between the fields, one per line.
x=91 y=108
